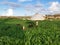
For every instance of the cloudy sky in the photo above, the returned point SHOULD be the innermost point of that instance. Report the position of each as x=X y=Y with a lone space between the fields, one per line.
x=29 y=7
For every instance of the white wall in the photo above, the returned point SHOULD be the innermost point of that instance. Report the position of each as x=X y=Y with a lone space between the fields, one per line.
x=38 y=17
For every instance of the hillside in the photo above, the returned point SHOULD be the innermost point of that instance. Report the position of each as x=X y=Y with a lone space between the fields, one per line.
x=12 y=33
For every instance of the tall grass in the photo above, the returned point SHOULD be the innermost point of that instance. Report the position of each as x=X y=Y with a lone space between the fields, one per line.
x=46 y=33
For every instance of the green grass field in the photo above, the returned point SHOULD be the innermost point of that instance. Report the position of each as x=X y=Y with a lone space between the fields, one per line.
x=46 y=33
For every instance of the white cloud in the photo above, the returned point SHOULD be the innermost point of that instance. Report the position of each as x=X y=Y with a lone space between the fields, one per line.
x=24 y=0
x=38 y=7
x=13 y=4
x=54 y=7
x=9 y=12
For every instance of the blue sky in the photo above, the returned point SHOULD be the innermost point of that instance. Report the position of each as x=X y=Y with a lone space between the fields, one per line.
x=30 y=7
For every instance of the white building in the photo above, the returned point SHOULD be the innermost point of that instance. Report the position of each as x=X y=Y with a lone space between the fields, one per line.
x=38 y=17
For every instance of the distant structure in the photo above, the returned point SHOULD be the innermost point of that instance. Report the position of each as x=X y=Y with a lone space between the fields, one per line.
x=35 y=17
x=55 y=16
x=38 y=17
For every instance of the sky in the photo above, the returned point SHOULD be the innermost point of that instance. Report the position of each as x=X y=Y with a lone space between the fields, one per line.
x=28 y=7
